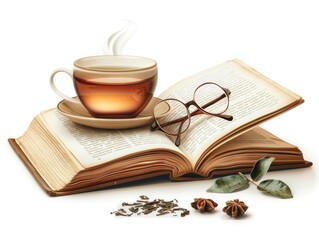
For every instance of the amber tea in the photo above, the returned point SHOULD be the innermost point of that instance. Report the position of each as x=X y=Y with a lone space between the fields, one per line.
x=115 y=97
x=112 y=86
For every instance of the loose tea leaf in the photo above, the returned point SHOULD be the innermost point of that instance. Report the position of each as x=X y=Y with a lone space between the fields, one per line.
x=261 y=167
x=275 y=187
x=229 y=184
x=144 y=206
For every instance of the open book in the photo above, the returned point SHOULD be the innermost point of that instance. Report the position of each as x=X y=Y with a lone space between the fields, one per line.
x=67 y=158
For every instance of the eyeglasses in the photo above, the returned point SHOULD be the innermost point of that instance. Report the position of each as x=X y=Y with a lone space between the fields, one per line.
x=173 y=116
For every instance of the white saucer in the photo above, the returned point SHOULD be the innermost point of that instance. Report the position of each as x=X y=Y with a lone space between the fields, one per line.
x=77 y=113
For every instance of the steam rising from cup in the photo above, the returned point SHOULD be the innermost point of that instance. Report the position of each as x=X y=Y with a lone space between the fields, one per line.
x=115 y=43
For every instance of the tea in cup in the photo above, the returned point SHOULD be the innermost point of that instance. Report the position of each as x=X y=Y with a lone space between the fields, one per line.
x=111 y=86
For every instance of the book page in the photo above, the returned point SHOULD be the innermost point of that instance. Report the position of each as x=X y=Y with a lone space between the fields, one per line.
x=256 y=139
x=246 y=148
x=93 y=146
x=252 y=97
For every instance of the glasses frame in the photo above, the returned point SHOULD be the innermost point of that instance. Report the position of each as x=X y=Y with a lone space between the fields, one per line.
x=200 y=110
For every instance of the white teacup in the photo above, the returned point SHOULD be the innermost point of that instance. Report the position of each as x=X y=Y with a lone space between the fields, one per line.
x=112 y=86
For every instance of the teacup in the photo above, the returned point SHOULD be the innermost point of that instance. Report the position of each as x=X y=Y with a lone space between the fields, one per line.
x=111 y=86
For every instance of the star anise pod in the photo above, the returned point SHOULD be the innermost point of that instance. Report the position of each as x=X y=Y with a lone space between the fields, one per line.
x=235 y=208
x=204 y=204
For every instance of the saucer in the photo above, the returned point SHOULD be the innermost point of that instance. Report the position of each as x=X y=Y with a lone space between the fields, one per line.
x=77 y=113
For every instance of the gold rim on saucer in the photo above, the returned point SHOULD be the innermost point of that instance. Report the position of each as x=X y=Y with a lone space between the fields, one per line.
x=77 y=113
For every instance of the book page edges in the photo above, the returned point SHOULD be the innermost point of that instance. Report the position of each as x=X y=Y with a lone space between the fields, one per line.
x=184 y=177
x=243 y=129
x=31 y=168
x=245 y=170
x=61 y=192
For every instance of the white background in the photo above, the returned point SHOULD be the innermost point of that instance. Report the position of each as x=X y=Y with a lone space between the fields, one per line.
x=278 y=38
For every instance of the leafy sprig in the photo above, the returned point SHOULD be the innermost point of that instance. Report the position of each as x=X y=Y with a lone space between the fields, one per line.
x=238 y=182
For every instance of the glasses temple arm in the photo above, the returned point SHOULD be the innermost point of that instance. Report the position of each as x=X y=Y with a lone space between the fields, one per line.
x=155 y=126
x=216 y=99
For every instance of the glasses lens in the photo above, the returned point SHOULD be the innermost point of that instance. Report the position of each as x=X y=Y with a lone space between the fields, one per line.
x=172 y=116
x=211 y=98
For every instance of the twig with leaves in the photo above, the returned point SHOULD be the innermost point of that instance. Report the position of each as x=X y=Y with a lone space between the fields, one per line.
x=239 y=181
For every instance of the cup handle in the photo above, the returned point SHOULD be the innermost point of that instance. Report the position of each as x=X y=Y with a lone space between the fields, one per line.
x=56 y=90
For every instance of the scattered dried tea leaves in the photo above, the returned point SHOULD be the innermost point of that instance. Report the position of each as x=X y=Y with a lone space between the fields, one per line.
x=144 y=206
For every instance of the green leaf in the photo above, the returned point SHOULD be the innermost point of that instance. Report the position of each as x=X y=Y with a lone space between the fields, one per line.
x=275 y=187
x=229 y=184
x=261 y=167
